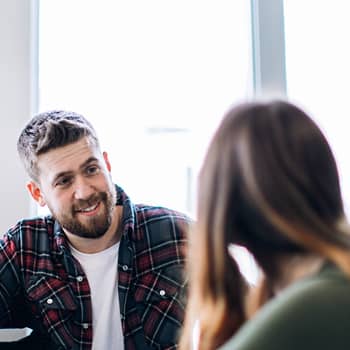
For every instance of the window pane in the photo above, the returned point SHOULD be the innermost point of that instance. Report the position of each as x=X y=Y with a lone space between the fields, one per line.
x=318 y=71
x=153 y=76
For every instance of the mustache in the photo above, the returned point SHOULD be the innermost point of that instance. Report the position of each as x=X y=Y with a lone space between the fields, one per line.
x=89 y=202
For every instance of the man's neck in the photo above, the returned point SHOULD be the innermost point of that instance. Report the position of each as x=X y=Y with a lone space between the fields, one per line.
x=95 y=245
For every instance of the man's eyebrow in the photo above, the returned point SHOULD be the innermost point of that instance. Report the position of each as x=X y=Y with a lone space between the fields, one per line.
x=88 y=161
x=69 y=173
x=61 y=174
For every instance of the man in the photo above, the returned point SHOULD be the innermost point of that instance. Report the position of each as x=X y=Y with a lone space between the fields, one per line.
x=100 y=272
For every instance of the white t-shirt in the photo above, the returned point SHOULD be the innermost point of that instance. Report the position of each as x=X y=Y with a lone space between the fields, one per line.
x=101 y=270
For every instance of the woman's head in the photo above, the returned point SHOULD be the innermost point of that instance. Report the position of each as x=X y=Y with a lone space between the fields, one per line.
x=269 y=181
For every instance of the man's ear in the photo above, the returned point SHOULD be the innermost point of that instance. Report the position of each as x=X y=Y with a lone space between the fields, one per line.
x=108 y=164
x=35 y=192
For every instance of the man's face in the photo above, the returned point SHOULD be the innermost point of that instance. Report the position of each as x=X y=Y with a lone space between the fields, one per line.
x=76 y=185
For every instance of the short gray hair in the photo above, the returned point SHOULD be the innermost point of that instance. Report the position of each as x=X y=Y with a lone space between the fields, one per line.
x=50 y=130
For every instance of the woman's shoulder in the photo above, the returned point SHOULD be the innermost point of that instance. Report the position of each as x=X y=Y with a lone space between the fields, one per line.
x=313 y=313
x=314 y=291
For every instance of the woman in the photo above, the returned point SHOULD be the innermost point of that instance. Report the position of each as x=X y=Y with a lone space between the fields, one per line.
x=269 y=183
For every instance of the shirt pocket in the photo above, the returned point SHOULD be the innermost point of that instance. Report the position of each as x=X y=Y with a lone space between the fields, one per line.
x=159 y=297
x=52 y=303
x=51 y=293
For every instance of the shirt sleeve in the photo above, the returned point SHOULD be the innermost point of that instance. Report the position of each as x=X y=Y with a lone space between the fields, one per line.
x=9 y=281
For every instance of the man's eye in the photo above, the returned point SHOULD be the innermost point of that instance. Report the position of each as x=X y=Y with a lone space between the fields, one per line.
x=92 y=170
x=64 y=181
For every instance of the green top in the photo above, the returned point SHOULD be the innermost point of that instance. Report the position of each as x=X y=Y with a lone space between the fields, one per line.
x=313 y=313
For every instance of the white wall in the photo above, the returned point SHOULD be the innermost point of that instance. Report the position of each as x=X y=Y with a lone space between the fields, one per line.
x=17 y=89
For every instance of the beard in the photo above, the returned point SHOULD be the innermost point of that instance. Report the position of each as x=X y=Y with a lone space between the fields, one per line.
x=95 y=226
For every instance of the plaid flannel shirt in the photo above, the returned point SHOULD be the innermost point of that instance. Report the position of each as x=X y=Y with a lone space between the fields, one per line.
x=43 y=286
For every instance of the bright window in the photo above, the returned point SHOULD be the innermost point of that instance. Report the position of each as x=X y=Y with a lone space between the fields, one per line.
x=154 y=77
x=318 y=71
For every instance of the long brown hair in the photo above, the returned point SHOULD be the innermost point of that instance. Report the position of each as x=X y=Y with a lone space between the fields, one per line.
x=269 y=182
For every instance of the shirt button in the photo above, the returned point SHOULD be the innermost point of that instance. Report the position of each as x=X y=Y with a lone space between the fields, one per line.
x=162 y=292
x=49 y=301
x=80 y=278
x=85 y=325
x=125 y=267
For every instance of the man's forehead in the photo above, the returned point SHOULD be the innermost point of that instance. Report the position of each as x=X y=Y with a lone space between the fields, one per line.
x=69 y=157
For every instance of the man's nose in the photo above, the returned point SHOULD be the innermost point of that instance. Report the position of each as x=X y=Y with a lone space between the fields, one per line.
x=83 y=188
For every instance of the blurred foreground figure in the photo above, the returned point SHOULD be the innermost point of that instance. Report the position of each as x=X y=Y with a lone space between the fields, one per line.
x=269 y=183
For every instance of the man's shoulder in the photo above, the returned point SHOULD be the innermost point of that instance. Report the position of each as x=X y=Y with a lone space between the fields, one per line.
x=160 y=227
x=148 y=213
x=31 y=228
